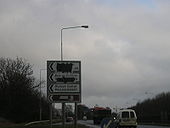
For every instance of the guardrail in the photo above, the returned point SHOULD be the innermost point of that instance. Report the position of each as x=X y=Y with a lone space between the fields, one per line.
x=43 y=121
x=36 y=122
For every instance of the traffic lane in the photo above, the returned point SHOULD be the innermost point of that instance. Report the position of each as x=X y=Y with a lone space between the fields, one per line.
x=151 y=126
x=91 y=125
x=88 y=123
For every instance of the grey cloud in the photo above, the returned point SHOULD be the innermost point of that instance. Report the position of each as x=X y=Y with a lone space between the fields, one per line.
x=124 y=53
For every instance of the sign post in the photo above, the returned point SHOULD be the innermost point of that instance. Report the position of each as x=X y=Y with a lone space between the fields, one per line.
x=51 y=113
x=75 y=117
x=64 y=83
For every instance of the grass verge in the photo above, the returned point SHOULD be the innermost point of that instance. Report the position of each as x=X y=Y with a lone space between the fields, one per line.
x=41 y=126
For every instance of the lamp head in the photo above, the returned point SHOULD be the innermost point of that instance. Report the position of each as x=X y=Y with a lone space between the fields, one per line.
x=84 y=26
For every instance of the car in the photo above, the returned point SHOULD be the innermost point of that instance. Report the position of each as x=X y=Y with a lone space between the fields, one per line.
x=69 y=119
x=85 y=118
x=126 y=118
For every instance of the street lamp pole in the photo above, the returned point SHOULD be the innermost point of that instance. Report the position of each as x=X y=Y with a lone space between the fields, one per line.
x=71 y=27
x=40 y=95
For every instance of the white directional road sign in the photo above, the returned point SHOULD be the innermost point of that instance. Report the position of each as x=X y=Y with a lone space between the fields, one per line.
x=69 y=98
x=65 y=66
x=64 y=88
x=64 y=80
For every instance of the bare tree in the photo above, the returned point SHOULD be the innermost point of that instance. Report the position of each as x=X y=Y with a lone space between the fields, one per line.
x=18 y=97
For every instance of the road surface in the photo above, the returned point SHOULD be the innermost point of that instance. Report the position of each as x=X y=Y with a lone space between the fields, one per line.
x=90 y=124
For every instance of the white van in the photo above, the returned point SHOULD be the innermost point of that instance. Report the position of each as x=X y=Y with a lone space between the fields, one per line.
x=126 y=118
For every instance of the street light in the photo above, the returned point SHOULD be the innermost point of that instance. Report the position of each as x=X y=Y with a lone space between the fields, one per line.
x=40 y=95
x=72 y=27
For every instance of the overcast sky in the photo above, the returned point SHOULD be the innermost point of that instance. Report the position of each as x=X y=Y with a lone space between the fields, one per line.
x=125 y=52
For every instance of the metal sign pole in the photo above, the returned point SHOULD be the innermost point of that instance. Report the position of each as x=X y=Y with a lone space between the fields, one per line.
x=75 y=116
x=63 y=115
x=51 y=115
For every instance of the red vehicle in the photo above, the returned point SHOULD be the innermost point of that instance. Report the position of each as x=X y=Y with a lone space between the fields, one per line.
x=99 y=113
x=69 y=119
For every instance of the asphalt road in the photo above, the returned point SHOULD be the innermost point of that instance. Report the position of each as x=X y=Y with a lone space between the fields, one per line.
x=90 y=124
x=149 y=126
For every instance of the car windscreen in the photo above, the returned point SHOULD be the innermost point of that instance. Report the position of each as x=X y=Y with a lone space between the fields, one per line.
x=132 y=115
x=125 y=114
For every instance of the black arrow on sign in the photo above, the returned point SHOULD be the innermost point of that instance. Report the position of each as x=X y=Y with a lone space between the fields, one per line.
x=50 y=77
x=50 y=88
x=51 y=66
x=50 y=98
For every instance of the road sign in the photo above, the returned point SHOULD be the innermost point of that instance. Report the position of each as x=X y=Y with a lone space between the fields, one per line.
x=64 y=88
x=65 y=66
x=64 y=98
x=64 y=80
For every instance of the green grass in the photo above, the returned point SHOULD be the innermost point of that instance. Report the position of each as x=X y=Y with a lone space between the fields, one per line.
x=39 y=126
